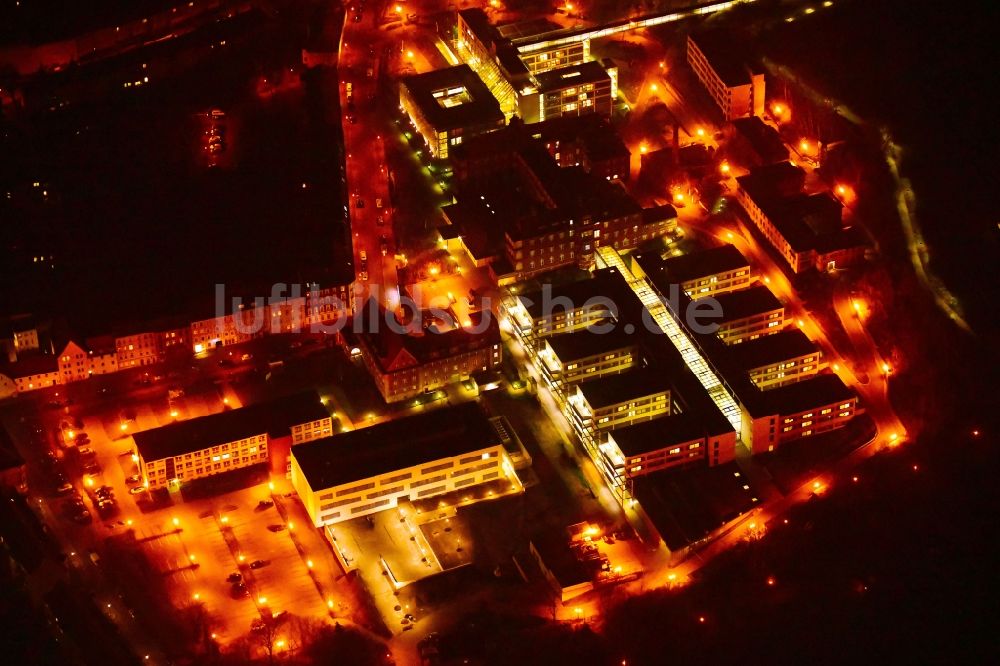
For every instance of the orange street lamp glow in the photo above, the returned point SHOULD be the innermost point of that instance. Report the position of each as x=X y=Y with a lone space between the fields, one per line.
x=192 y=557
x=841 y=190
x=123 y=427
x=309 y=563
x=262 y=600
x=778 y=109
x=643 y=148
x=700 y=131
x=409 y=55
x=196 y=596
x=173 y=413
x=885 y=368
x=679 y=196
x=176 y=522
x=398 y=9
x=804 y=145
x=724 y=168
x=770 y=581
x=329 y=603
x=654 y=87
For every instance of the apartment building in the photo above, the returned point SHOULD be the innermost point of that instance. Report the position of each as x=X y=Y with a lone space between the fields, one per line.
x=708 y=272
x=735 y=87
x=229 y=440
x=446 y=106
x=754 y=143
x=576 y=90
x=587 y=141
x=775 y=360
x=404 y=366
x=576 y=357
x=746 y=314
x=806 y=230
x=373 y=469
x=620 y=400
x=663 y=443
x=815 y=405
x=30 y=373
x=19 y=334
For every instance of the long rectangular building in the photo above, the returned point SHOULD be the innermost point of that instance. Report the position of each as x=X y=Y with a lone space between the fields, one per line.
x=807 y=230
x=229 y=440
x=737 y=89
x=404 y=366
x=747 y=314
x=372 y=469
x=776 y=360
x=708 y=272
x=585 y=355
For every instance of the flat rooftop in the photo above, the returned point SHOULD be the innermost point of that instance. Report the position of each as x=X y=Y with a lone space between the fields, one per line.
x=769 y=349
x=606 y=283
x=685 y=505
x=725 y=57
x=453 y=97
x=393 y=445
x=666 y=431
x=570 y=347
x=814 y=392
x=763 y=139
x=703 y=263
x=631 y=385
x=274 y=417
x=565 y=77
x=745 y=303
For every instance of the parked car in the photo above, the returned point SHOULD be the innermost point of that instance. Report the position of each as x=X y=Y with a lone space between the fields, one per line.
x=234 y=577
x=136 y=490
x=64 y=489
x=259 y=564
x=135 y=478
x=265 y=504
x=86 y=451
